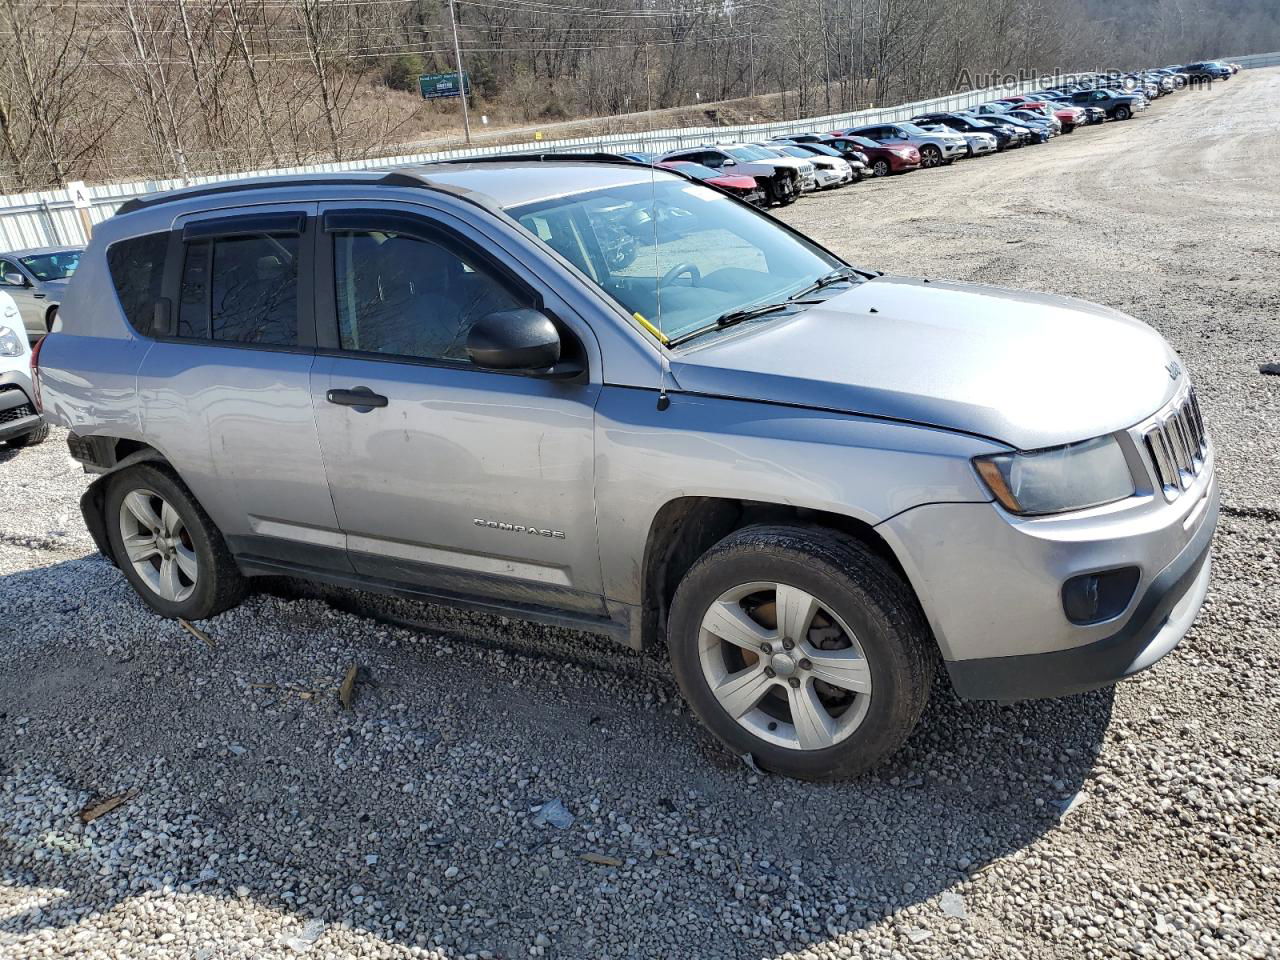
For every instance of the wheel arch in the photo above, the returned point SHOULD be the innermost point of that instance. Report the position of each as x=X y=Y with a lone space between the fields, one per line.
x=119 y=453
x=686 y=527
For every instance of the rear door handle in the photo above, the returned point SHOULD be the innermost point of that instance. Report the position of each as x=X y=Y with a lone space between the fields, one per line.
x=362 y=398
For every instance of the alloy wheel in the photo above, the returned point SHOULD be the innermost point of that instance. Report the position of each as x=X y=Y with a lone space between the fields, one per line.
x=784 y=666
x=158 y=545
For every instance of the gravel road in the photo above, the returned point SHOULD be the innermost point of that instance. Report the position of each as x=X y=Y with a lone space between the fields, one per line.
x=500 y=790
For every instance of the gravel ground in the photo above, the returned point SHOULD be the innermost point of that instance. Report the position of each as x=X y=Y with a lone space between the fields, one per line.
x=432 y=818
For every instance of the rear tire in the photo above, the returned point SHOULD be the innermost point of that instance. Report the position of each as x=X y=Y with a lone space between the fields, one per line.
x=179 y=563
x=39 y=435
x=839 y=689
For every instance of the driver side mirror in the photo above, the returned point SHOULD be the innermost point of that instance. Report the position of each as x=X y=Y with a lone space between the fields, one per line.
x=517 y=340
x=729 y=162
x=15 y=279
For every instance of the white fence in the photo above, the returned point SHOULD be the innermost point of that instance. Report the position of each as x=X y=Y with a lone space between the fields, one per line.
x=49 y=218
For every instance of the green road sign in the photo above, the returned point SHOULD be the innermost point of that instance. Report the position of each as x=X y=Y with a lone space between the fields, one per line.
x=437 y=85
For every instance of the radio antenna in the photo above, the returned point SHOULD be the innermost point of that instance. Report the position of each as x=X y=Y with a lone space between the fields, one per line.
x=664 y=364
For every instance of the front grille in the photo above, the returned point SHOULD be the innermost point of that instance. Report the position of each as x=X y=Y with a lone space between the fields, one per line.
x=19 y=412
x=1176 y=444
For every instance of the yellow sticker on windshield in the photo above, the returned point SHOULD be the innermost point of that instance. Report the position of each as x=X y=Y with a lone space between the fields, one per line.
x=640 y=319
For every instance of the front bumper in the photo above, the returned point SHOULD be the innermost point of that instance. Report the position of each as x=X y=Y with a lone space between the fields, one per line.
x=18 y=414
x=830 y=178
x=991 y=586
x=954 y=151
x=1161 y=618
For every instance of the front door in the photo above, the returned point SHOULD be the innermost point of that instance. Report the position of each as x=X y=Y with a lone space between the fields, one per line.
x=29 y=306
x=452 y=478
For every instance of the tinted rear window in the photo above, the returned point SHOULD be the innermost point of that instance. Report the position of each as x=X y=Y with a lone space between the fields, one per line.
x=137 y=269
x=241 y=289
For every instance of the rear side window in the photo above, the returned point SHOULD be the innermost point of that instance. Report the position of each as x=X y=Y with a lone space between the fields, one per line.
x=137 y=269
x=241 y=290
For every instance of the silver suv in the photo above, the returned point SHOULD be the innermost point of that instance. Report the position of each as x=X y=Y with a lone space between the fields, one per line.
x=809 y=480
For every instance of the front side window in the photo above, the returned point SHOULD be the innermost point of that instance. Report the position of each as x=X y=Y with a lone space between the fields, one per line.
x=402 y=295
x=241 y=290
x=52 y=266
x=679 y=255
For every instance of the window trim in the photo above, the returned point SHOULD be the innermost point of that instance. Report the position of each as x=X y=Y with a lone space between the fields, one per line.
x=420 y=227
x=269 y=224
x=244 y=225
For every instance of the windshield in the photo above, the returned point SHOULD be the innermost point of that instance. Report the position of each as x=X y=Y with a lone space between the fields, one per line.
x=821 y=149
x=53 y=266
x=793 y=151
x=751 y=154
x=864 y=142
x=692 y=169
x=911 y=128
x=675 y=255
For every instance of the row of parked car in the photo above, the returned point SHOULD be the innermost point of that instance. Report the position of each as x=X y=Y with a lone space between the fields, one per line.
x=778 y=171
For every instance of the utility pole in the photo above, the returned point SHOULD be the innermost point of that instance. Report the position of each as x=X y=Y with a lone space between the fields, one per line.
x=462 y=77
x=648 y=83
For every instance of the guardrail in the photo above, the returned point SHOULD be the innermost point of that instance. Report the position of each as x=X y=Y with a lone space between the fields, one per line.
x=49 y=218
x=1256 y=60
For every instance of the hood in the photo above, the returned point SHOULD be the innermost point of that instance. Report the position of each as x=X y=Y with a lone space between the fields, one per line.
x=734 y=181
x=1031 y=370
x=794 y=163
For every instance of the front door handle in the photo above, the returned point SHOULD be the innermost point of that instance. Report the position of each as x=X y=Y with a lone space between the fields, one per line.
x=362 y=398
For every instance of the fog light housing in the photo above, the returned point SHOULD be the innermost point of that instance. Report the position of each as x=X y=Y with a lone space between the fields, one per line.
x=1095 y=597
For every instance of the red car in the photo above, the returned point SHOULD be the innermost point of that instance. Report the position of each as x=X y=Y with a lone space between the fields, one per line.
x=742 y=187
x=882 y=159
x=1070 y=117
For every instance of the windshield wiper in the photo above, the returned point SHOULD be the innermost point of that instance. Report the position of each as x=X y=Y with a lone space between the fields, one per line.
x=798 y=298
x=835 y=276
x=733 y=317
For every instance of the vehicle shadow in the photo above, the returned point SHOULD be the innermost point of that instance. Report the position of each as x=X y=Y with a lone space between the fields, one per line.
x=408 y=819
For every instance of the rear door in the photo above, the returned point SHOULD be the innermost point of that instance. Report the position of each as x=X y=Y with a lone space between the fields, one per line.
x=225 y=390
x=455 y=479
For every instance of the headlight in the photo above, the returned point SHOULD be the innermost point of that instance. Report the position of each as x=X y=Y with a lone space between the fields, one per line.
x=1065 y=478
x=10 y=345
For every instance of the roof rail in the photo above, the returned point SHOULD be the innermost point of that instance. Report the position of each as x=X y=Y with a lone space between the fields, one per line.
x=395 y=178
x=548 y=157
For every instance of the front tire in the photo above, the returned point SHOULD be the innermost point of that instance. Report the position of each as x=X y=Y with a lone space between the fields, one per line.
x=930 y=157
x=881 y=168
x=800 y=646
x=167 y=547
x=784 y=190
x=1123 y=113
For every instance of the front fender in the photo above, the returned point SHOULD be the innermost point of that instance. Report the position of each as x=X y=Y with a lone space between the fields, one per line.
x=700 y=446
